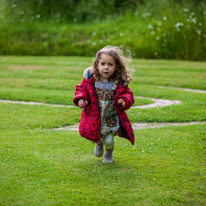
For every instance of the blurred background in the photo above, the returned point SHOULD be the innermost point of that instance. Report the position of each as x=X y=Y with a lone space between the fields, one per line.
x=155 y=29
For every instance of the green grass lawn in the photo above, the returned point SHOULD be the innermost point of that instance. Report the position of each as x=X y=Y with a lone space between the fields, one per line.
x=43 y=166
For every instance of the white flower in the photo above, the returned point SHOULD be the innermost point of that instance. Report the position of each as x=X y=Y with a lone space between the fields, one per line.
x=38 y=16
x=157 y=38
x=121 y=34
x=199 y=31
x=191 y=19
x=194 y=20
x=93 y=44
x=152 y=32
x=146 y=14
x=160 y=24
x=150 y=27
x=164 y=18
x=178 y=24
x=185 y=9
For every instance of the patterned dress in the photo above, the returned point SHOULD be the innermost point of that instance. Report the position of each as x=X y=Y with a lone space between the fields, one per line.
x=105 y=92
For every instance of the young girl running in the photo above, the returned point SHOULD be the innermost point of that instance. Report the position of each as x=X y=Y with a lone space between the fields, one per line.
x=104 y=96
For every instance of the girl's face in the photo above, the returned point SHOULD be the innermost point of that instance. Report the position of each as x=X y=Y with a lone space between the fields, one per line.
x=106 y=66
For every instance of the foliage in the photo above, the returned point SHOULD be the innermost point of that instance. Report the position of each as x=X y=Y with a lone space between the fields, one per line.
x=67 y=10
x=150 y=29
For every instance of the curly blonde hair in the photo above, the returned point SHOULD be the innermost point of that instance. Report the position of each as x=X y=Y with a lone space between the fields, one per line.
x=121 y=73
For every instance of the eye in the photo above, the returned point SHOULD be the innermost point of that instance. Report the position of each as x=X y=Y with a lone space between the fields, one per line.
x=102 y=63
x=110 y=64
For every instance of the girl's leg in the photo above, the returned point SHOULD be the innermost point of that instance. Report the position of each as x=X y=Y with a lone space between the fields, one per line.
x=109 y=145
x=109 y=141
x=99 y=149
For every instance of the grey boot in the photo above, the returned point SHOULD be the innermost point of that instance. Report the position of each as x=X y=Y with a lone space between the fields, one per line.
x=108 y=157
x=99 y=149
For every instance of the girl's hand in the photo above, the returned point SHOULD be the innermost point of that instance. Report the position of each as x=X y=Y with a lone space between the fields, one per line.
x=82 y=103
x=121 y=102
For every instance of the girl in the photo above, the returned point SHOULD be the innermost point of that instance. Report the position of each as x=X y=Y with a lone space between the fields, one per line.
x=104 y=96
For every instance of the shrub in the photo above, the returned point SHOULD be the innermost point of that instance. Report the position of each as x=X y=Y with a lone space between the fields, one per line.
x=151 y=29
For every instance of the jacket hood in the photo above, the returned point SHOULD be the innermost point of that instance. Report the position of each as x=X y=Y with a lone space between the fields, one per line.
x=88 y=73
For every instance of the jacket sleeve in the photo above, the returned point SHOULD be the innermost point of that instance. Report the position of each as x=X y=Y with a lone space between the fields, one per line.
x=127 y=95
x=81 y=92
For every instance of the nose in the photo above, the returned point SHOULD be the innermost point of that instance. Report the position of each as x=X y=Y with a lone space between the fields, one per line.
x=106 y=66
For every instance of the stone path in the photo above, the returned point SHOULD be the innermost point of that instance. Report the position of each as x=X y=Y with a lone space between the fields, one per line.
x=157 y=103
x=140 y=125
x=136 y=126
x=146 y=125
x=186 y=90
x=34 y=103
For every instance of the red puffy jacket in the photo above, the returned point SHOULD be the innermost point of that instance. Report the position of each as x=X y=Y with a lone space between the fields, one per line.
x=90 y=118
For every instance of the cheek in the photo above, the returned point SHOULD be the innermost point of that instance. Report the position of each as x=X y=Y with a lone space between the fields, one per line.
x=99 y=67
